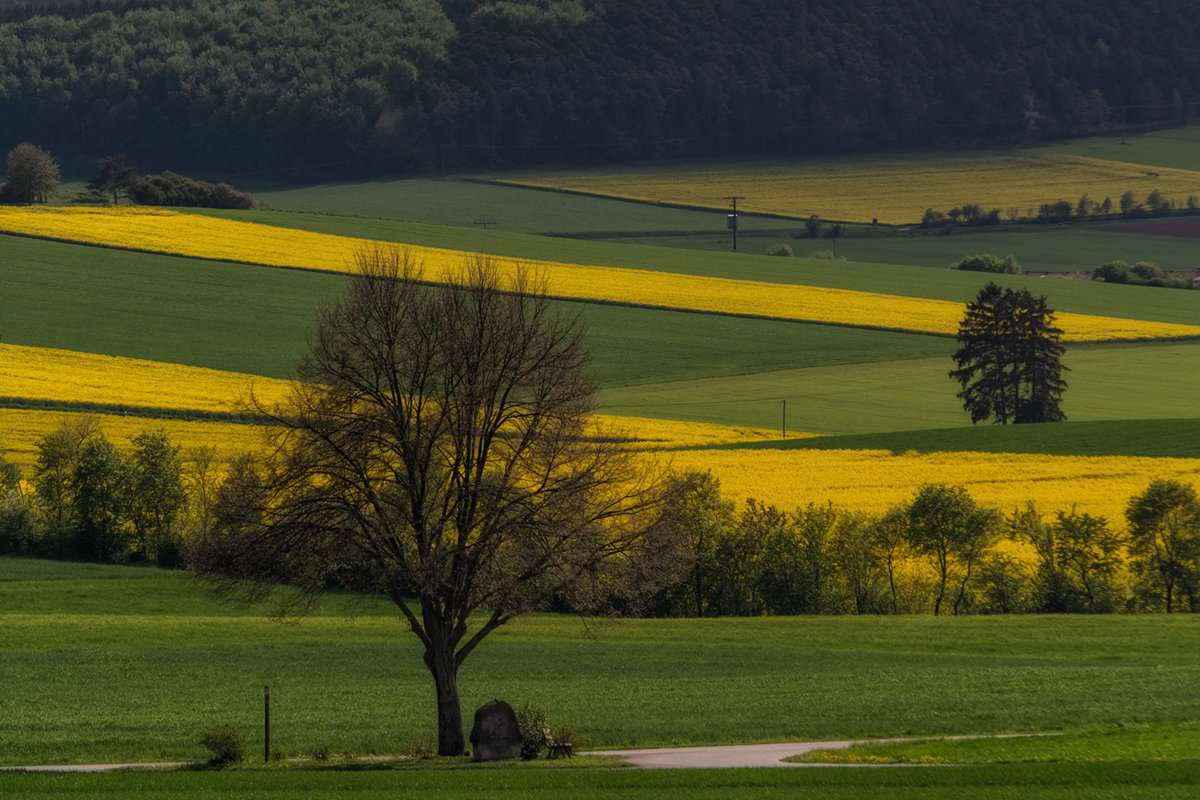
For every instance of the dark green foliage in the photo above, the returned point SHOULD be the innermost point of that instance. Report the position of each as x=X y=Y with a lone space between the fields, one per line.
x=1143 y=273
x=1164 y=545
x=169 y=189
x=156 y=497
x=101 y=486
x=1079 y=561
x=436 y=86
x=16 y=513
x=1054 y=212
x=33 y=175
x=1009 y=358
x=113 y=176
x=226 y=742
x=988 y=263
x=946 y=526
x=93 y=501
x=532 y=721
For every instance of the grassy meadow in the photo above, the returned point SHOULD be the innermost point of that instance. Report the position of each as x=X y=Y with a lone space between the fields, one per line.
x=142 y=660
x=122 y=664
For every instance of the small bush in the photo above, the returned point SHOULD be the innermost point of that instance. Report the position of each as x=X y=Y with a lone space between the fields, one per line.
x=226 y=742
x=531 y=721
x=989 y=263
x=779 y=250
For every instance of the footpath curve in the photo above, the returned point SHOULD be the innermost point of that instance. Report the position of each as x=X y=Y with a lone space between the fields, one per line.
x=724 y=756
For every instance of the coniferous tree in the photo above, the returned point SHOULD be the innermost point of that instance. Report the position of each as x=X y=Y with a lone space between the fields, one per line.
x=1009 y=360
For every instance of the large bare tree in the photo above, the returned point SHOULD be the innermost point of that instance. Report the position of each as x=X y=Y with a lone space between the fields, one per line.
x=436 y=450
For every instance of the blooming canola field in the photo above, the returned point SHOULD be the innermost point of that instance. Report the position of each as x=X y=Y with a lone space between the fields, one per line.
x=872 y=481
x=891 y=189
x=199 y=236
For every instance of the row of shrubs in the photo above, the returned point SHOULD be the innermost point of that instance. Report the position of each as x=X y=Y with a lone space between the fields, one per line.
x=1141 y=273
x=1155 y=205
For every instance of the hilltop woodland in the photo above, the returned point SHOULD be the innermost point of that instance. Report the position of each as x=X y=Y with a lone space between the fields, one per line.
x=938 y=553
x=423 y=85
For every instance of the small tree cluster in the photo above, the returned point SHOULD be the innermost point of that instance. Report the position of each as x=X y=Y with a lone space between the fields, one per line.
x=90 y=500
x=970 y=214
x=170 y=189
x=988 y=263
x=1142 y=273
x=116 y=179
x=33 y=175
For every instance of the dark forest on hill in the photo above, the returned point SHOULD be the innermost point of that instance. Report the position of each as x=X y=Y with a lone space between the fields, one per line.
x=333 y=86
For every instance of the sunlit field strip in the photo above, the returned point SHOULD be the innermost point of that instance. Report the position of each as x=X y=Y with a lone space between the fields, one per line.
x=871 y=481
x=20 y=430
x=39 y=373
x=207 y=237
x=891 y=189
x=648 y=433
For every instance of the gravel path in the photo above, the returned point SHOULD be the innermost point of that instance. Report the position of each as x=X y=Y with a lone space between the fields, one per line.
x=741 y=755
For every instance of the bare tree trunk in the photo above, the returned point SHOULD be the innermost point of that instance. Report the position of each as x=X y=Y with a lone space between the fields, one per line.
x=444 y=668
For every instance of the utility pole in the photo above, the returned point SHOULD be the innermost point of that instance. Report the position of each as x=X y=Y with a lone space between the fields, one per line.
x=733 y=219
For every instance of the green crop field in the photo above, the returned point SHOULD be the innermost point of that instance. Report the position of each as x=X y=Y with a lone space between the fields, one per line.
x=109 y=664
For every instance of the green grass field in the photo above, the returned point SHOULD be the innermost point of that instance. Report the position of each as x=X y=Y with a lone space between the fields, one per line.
x=106 y=664
x=1112 y=781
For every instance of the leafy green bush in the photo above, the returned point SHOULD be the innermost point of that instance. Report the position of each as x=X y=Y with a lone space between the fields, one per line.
x=1143 y=273
x=532 y=720
x=779 y=250
x=989 y=263
x=226 y=742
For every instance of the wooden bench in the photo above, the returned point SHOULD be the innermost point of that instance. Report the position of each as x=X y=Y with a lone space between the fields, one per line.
x=557 y=748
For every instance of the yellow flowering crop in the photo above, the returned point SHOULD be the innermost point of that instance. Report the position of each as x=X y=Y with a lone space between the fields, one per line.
x=21 y=429
x=892 y=189
x=872 y=481
x=40 y=373
x=665 y=434
x=208 y=237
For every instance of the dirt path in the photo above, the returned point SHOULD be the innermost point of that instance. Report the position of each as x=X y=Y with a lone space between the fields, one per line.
x=741 y=755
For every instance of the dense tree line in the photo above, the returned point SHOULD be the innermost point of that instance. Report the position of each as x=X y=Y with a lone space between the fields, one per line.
x=429 y=84
x=939 y=553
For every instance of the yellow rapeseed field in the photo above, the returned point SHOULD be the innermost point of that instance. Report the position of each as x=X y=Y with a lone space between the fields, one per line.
x=893 y=189
x=41 y=373
x=207 y=237
x=871 y=481
x=665 y=434
x=21 y=429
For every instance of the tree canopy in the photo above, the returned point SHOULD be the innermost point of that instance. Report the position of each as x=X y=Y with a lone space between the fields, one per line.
x=450 y=84
x=1009 y=360
x=436 y=451
x=33 y=175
